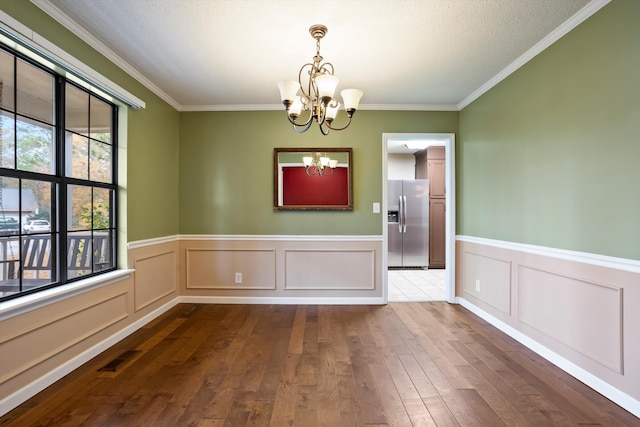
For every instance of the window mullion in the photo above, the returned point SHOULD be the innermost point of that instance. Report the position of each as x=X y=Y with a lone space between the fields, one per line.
x=113 y=220
x=60 y=209
x=46 y=173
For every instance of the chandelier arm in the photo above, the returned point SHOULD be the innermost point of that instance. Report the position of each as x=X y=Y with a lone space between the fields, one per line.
x=312 y=173
x=301 y=128
x=342 y=128
x=312 y=90
x=320 y=125
x=322 y=113
x=324 y=68
x=294 y=123
x=306 y=93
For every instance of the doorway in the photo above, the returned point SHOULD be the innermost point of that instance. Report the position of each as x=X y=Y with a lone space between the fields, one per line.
x=389 y=141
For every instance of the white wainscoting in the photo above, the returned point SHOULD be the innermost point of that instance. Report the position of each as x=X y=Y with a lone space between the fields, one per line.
x=217 y=268
x=156 y=277
x=329 y=269
x=282 y=269
x=46 y=335
x=580 y=311
x=55 y=335
x=582 y=314
x=490 y=280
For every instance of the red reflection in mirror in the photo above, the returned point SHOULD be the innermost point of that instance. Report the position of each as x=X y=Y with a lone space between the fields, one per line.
x=302 y=189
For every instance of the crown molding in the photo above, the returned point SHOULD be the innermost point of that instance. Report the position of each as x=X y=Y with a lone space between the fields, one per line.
x=47 y=7
x=241 y=107
x=409 y=107
x=64 y=20
x=33 y=45
x=363 y=107
x=577 y=19
x=588 y=10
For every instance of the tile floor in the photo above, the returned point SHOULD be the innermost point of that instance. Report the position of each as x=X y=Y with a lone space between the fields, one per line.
x=416 y=285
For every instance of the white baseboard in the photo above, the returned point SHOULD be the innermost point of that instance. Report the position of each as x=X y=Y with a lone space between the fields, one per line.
x=619 y=397
x=30 y=390
x=282 y=301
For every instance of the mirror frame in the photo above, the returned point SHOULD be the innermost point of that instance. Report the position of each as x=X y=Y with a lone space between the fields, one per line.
x=276 y=179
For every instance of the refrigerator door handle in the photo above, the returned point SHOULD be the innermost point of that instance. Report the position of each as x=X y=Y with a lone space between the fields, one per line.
x=400 y=214
x=404 y=215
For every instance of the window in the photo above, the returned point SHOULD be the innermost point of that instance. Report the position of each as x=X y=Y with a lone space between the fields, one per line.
x=57 y=179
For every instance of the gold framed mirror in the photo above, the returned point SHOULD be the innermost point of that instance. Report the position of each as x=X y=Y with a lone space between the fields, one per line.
x=313 y=179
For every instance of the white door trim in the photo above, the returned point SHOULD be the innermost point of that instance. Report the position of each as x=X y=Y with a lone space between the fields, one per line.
x=450 y=206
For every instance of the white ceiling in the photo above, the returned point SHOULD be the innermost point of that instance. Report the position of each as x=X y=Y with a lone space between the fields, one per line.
x=402 y=145
x=404 y=54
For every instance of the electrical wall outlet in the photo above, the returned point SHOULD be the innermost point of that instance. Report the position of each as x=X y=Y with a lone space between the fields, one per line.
x=238 y=278
x=477 y=285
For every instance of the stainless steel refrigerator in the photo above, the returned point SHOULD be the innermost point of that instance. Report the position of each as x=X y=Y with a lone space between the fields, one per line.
x=408 y=223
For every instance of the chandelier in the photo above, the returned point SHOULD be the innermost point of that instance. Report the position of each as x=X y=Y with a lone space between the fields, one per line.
x=319 y=164
x=317 y=84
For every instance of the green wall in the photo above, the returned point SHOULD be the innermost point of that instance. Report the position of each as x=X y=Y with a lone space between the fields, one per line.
x=152 y=140
x=551 y=155
x=226 y=170
x=211 y=172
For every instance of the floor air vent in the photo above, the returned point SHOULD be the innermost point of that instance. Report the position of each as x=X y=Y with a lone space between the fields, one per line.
x=189 y=312
x=115 y=363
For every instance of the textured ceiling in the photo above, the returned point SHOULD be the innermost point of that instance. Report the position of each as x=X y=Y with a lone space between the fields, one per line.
x=404 y=54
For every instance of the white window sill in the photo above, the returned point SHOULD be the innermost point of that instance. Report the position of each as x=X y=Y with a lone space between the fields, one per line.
x=21 y=305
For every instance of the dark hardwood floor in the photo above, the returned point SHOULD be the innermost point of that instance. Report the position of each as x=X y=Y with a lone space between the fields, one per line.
x=404 y=364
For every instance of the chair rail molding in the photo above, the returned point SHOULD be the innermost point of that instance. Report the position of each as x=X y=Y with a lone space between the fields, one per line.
x=624 y=264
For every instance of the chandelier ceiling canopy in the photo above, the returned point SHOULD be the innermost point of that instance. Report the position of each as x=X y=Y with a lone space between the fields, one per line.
x=317 y=84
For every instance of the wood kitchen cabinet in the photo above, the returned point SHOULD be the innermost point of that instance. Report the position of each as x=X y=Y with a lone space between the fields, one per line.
x=431 y=165
x=435 y=175
x=435 y=162
x=437 y=233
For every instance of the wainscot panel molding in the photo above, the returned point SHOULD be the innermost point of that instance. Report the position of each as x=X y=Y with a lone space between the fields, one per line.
x=580 y=311
x=596 y=333
x=46 y=335
x=491 y=282
x=14 y=392
x=156 y=266
x=156 y=277
x=278 y=268
x=57 y=335
x=329 y=269
x=217 y=268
